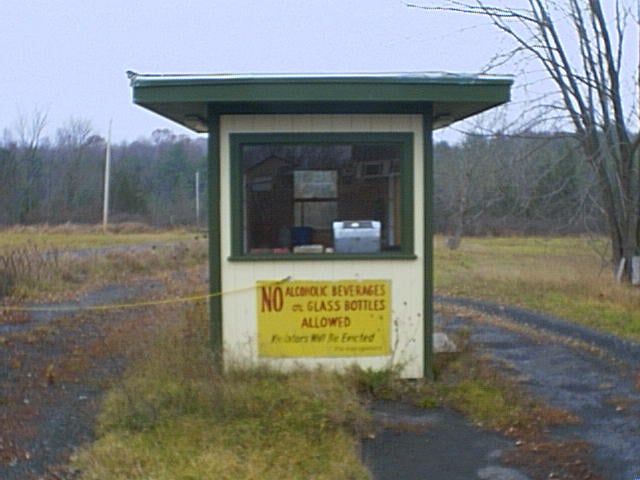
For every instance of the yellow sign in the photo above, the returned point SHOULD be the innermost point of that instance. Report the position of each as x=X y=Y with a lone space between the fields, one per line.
x=324 y=319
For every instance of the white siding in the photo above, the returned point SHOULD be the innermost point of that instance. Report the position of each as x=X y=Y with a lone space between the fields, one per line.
x=406 y=276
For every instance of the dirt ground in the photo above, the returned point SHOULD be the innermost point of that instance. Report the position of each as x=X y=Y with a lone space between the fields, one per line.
x=55 y=367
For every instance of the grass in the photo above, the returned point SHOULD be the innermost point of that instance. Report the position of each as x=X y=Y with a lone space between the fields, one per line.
x=486 y=394
x=74 y=237
x=483 y=391
x=174 y=417
x=33 y=264
x=565 y=277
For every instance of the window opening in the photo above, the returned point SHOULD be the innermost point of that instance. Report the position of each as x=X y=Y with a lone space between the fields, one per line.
x=325 y=196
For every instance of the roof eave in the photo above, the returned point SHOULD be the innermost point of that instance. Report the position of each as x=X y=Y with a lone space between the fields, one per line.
x=188 y=99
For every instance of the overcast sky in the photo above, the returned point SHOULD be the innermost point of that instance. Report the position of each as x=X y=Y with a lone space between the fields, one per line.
x=68 y=58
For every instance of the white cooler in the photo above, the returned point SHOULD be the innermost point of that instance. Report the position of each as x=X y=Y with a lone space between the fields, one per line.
x=356 y=236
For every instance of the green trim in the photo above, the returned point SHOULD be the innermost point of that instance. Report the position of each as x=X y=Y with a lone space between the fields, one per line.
x=322 y=92
x=237 y=198
x=238 y=140
x=215 y=247
x=427 y=203
x=321 y=257
x=191 y=114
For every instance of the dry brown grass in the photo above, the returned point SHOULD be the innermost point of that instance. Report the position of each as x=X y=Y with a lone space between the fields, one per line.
x=565 y=277
x=175 y=416
x=73 y=236
x=42 y=265
x=80 y=229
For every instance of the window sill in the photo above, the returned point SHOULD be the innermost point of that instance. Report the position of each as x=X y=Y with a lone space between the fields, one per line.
x=322 y=257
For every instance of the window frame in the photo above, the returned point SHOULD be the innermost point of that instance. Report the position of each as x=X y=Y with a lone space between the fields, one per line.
x=407 y=229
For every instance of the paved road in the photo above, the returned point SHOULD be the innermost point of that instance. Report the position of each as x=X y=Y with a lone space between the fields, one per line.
x=594 y=376
x=417 y=444
x=596 y=379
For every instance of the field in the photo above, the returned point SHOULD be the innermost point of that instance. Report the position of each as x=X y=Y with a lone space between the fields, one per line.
x=567 y=277
x=44 y=263
x=73 y=237
x=174 y=416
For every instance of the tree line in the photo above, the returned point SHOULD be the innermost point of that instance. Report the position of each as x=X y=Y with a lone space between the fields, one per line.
x=526 y=183
x=531 y=183
x=61 y=179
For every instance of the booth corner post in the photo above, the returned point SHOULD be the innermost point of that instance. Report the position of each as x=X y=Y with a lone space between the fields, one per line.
x=427 y=135
x=215 y=274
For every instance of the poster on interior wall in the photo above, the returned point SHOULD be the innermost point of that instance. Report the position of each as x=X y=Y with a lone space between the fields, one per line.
x=324 y=319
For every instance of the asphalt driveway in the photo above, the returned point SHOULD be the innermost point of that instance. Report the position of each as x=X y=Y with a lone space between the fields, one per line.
x=594 y=376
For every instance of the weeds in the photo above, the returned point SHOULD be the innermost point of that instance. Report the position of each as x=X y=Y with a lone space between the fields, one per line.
x=35 y=270
x=73 y=236
x=560 y=276
x=36 y=259
x=486 y=394
x=175 y=416
x=474 y=385
x=27 y=267
x=570 y=459
x=383 y=383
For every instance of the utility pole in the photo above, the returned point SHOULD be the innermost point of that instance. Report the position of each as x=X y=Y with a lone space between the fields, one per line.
x=107 y=168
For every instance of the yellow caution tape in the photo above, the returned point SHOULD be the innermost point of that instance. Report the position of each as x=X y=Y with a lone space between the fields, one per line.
x=117 y=306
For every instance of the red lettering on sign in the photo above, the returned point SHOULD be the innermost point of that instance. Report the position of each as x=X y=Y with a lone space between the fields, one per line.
x=272 y=299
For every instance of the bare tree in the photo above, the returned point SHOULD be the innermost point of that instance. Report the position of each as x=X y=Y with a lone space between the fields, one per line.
x=466 y=183
x=535 y=182
x=77 y=194
x=29 y=130
x=582 y=48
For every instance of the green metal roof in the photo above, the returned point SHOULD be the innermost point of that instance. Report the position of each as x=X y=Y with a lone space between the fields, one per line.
x=187 y=99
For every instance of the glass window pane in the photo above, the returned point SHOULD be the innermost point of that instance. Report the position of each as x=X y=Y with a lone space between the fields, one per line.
x=293 y=192
x=315 y=184
x=318 y=215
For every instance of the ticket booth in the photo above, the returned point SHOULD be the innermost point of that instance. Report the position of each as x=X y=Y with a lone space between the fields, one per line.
x=320 y=208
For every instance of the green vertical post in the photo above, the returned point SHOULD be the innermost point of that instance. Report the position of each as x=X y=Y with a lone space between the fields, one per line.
x=427 y=205
x=215 y=250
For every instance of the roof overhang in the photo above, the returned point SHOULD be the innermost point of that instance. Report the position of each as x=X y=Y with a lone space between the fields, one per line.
x=189 y=99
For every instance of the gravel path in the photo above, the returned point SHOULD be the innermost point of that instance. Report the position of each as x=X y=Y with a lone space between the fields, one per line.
x=54 y=368
x=594 y=376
